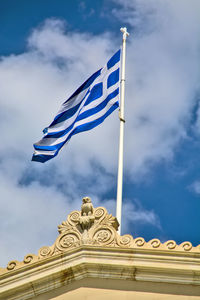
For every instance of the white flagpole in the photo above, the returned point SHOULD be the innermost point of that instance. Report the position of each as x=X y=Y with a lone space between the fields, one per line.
x=121 y=135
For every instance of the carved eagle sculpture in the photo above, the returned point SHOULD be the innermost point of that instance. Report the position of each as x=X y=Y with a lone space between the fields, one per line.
x=87 y=207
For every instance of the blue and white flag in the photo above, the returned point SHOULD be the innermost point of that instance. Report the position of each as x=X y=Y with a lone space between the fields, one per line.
x=88 y=107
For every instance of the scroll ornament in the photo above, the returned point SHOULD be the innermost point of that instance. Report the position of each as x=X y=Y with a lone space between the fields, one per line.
x=95 y=227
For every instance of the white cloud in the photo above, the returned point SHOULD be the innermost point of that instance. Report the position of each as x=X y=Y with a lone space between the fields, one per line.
x=29 y=215
x=195 y=187
x=163 y=77
x=162 y=80
x=134 y=213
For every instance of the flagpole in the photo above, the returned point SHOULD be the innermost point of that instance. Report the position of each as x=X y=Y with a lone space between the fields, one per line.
x=121 y=134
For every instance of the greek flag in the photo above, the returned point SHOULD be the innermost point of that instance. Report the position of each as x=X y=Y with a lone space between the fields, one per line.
x=88 y=107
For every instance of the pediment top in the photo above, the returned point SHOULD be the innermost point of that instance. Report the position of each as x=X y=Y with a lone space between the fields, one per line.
x=97 y=228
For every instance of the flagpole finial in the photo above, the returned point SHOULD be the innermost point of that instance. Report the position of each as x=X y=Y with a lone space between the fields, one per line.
x=125 y=32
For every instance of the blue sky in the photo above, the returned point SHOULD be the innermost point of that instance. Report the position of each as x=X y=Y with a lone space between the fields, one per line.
x=47 y=49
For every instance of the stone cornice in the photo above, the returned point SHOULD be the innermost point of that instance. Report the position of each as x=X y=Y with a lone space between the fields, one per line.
x=96 y=228
x=88 y=247
x=133 y=265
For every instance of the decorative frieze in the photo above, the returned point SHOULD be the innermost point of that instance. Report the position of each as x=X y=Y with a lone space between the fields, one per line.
x=94 y=227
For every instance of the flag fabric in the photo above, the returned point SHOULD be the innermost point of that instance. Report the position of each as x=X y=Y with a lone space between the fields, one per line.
x=88 y=107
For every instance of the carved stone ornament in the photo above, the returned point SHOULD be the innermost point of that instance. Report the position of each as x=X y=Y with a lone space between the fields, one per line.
x=95 y=227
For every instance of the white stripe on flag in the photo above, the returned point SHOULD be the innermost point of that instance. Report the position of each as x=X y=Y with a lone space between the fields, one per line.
x=96 y=98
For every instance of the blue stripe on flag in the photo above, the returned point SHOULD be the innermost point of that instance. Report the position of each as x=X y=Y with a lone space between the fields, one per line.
x=48 y=148
x=90 y=125
x=84 y=115
x=60 y=133
x=114 y=59
x=63 y=116
x=66 y=114
x=95 y=93
x=99 y=107
x=85 y=85
x=113 y=78
x=43 y=157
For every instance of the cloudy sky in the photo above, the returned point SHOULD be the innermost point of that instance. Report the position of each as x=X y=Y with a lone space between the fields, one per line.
x=47 y=49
